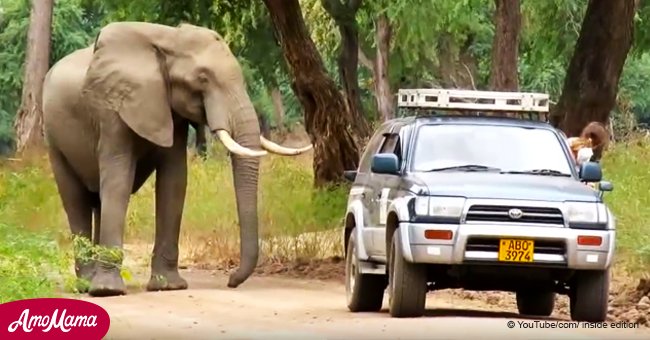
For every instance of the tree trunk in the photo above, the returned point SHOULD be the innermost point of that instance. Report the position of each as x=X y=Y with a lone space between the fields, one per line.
x=278 y=107
x=383 y=92
x=591 y=82
x=29 y=118
x=326 y=119
x=344 y=14
x=507 y=21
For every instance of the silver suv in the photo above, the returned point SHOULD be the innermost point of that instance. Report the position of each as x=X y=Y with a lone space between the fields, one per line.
x=445 y=201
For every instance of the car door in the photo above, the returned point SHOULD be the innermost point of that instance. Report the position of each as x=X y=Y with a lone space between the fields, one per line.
x=383 y=190
x=364 y=185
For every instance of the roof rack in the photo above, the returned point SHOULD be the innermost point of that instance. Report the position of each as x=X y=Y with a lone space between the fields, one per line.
x=447 y=99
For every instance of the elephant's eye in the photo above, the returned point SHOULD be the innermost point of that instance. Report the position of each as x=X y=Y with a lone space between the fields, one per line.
x=202 y=78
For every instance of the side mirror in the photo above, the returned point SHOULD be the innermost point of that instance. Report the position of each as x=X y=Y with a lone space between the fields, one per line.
x=385 y=163
x=605 y=186
x=590 y=172
x=350 y=175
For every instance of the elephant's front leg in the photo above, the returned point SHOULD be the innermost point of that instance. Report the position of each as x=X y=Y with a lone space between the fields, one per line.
x=171 y=182
x=117 y=171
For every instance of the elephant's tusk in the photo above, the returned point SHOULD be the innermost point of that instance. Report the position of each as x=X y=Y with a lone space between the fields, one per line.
x=281 y=150
x=236 y=148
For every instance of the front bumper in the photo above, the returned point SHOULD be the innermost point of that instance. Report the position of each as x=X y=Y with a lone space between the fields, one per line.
x=477 y=243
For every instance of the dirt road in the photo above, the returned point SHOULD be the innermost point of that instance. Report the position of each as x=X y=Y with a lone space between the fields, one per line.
x=284 y=308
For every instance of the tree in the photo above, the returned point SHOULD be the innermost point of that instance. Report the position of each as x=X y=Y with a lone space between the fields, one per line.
x=29 y=119
x=344 y=14
x=592 y=78
x=507 y=22
x=326 y=119
x=383 y=34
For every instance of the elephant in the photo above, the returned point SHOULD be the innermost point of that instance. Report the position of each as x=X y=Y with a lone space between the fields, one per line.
x=119 y=110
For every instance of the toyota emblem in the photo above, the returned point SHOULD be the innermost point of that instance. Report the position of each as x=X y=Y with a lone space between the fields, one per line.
x=515 y=213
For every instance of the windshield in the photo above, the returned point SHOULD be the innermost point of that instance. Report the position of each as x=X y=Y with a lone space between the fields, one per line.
x=484 y=147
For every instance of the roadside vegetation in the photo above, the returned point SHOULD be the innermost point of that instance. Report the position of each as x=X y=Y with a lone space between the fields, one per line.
x=297 y=222
x=31 y=264
x=626 y=165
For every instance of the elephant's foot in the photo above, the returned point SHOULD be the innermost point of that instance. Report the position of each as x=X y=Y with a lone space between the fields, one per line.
x=107 y=282
x=85 y=272
x=166 y=280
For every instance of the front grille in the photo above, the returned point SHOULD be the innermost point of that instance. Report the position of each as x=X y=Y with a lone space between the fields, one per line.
x=550 y=247
x=496 y=213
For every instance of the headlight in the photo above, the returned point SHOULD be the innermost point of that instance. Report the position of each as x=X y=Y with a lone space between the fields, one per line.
x=582 y=212
x=439 y=206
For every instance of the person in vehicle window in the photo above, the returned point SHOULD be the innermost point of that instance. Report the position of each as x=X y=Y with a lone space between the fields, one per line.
x=591 y=143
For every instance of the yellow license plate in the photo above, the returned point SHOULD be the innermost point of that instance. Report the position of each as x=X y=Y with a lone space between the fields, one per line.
x=516 y=250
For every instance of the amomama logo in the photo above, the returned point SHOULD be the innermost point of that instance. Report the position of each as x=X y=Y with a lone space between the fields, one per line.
x=53 y=318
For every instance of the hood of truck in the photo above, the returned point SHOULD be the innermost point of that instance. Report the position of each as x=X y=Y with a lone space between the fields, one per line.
x=501 y=186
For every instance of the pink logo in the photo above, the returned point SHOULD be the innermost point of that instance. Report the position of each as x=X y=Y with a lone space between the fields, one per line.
x=53 y=318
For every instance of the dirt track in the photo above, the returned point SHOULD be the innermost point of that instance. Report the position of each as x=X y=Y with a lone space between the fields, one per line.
x=282 y=308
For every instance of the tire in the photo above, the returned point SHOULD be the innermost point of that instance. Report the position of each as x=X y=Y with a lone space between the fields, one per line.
x=364 y=292
x=535 y=303
x=407 y=284
x=589 y=295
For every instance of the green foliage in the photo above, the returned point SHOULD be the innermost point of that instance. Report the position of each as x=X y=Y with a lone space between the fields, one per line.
x=626 y=166
x=32 y=264
x=641 y=28
x=633 y=86
x=71 y=30
x=13 y=36
x=549 y=31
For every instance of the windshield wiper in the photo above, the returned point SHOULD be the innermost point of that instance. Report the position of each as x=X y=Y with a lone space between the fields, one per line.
x=540 y=172
x=466 y=168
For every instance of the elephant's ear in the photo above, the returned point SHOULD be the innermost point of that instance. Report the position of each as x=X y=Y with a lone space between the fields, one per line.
x=128 y=76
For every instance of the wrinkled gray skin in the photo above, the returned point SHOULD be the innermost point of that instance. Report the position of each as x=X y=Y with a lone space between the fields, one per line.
x=119 y=110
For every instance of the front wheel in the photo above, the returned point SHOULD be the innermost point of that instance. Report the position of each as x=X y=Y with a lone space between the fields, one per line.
x=407 y=283
x=588 y=295
x=364 y=292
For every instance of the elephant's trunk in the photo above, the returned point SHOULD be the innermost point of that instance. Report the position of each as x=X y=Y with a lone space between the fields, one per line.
x=233 y=115
x=245 y=175
x=246 y=132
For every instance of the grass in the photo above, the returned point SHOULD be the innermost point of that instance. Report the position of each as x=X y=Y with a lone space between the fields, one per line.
x=626 y=166
x=296 y=222
x=31 y=264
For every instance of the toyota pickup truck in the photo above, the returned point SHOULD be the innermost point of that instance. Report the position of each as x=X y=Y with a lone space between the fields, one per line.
x=452 y=197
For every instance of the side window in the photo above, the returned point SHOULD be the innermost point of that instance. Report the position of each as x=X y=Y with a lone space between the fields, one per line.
x=371 y=149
